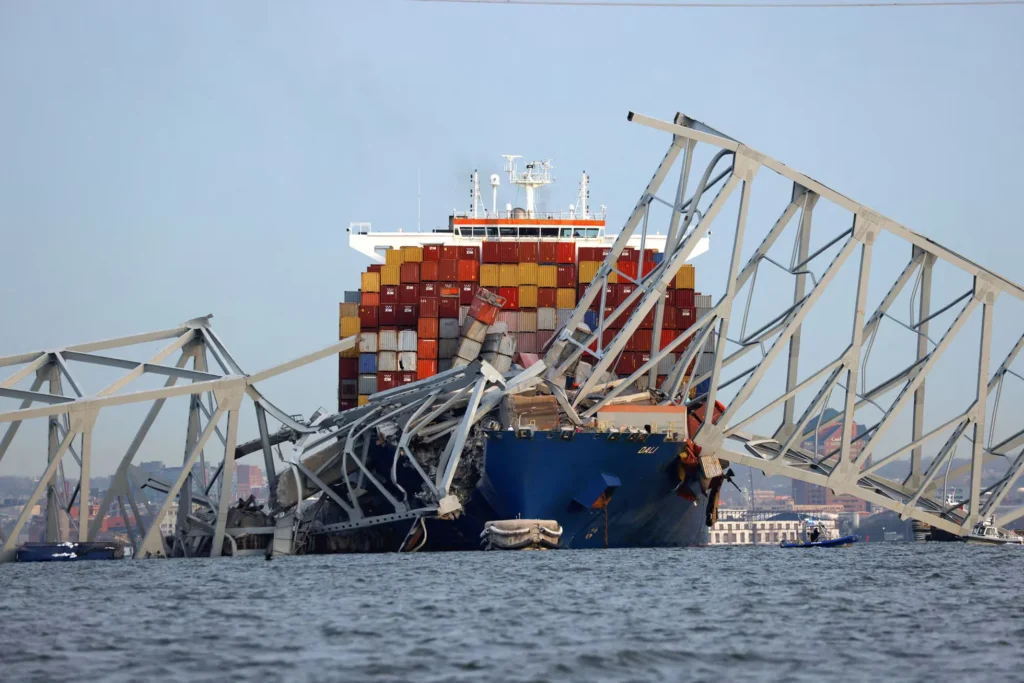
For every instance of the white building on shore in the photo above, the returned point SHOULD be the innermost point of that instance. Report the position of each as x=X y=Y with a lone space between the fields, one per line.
x=735 y=527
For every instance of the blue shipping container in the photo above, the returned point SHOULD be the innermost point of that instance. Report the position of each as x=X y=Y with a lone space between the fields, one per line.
x=367 y=363
x=353 y=297
x=590 y=318
x=659 y=256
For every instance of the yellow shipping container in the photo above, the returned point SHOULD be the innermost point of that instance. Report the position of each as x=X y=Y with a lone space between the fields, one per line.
x=362 y=401
x=527 y=274
x=351 y=353
x=547 y=276
x=508 y=276
x=348 y=311
x=349 y=327
x=527 y=296
x=489 y=275
x=391 y=275
x=412 y=254
x=565 y=298
x=686 y=277
x=371 y=282
x=394 y=257
x=588 y=269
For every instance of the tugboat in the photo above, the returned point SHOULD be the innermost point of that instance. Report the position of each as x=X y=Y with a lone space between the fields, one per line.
x=987 y=533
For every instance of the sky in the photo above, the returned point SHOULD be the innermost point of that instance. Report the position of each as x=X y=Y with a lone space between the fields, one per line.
x=165 y=161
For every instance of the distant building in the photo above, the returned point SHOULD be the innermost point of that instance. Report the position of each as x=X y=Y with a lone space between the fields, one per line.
x=249 y=481
x=829 y=439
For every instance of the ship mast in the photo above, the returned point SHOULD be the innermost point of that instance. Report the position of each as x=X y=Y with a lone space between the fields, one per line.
x=537 y=174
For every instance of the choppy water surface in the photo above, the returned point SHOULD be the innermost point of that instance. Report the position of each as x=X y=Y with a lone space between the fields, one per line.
x=897 y=612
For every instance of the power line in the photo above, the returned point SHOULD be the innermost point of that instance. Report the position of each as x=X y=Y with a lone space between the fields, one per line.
x=856 y=4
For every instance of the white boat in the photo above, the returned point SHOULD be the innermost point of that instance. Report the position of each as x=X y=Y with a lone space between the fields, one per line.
x=986 y=533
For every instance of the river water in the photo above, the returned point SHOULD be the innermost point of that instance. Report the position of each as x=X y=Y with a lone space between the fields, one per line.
x=908 y=612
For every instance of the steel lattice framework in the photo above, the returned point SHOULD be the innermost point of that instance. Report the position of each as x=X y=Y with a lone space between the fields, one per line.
x=902 y=478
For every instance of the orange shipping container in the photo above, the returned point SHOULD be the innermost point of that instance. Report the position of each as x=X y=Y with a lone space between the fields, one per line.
x=427 y=328
x=427 y=348
x=425 y=368
x=430 y=271
x=528 y=296
x=469 y=271
x=410 y=273
x=566 y=298
x=369 y=299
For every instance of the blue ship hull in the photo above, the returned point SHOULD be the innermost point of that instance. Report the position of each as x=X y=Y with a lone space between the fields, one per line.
x=69 y=552
x=603 y=493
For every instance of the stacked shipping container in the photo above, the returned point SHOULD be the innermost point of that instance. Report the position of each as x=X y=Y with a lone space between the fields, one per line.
x=409 y=311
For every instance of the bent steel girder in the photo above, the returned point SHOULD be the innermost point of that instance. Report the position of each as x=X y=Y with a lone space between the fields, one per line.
x=770 y=418
x=75 y=413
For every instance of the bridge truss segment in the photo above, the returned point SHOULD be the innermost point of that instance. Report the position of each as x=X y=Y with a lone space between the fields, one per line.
x=775 y=410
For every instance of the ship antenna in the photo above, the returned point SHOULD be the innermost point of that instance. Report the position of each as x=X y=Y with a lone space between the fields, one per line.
x=581 y=203
x=419 y=200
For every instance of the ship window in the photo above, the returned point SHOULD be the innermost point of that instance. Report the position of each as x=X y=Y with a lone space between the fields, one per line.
x=508 y=232
x=492 y=232
x=528 y=232
x=592 y=232
x=479 y=232
x=566 y=232
x=549 y=232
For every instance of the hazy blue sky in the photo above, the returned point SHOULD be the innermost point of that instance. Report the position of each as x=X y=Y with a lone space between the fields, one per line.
x=163 y=161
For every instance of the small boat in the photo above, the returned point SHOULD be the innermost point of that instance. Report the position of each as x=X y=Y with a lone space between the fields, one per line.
x=827 y=543
x=70 y=551
x=987 y=533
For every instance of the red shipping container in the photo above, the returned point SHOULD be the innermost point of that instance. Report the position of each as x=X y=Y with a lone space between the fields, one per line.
x=649 y=255
x=640 y=341
x=483 y=310
x=624 y=290
x=369 y=299
x=430 y=289
x=629 y=254
x=548 y=252
x=449 y=291
x=511 y=296
x=448 y=307
x=389 y=294
x=669 y=336
x=410 y=273
x=469 y=253
x=407 y=315
x=469 y=271
x=566 y=252
x=529 y=252
x=601 y=253
x=431 y=253
x=566 y=276
x=509 y=252
x=348 y=368
x=429 y=307
x=388 y=315
x=627 y=364
x=426 y=348
x=430 y=271
x=346 y=404
x=611 y=296
x=684 y=298
x=543 y=339
x=449 y=252
x=547 y=297
x=406 y=377
x=387 y=380
x=368 y=317
x=649 y=266
x=628 y=268
x=491 y=251
x=425 y=368
x=686 y=317
x=648 y=320
x=670 y=320
x=427 y=328
x=467 y=292
x=449 y=270
x=586 y=254
x=375 y=268
x=408 y=294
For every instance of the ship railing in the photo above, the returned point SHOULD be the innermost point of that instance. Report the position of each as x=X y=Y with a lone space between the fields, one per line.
x=541 y=215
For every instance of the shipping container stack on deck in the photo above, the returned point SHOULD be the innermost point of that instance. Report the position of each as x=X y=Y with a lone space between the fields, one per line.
x=412 y=310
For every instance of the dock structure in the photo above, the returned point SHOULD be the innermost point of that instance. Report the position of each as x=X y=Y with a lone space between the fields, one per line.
x=773 y=361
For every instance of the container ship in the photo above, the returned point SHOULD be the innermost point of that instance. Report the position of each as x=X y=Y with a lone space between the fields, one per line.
x=529 y=268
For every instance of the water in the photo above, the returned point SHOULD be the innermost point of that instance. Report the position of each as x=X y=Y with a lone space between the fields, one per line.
x=906 y=612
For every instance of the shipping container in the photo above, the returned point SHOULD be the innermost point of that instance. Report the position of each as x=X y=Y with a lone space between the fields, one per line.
x=448 y=307
x=467 y=290
x=511 y=297
x=630 y=269
x=585 y=254
x=390 y=275
x=367 y=362
x=351 y=298
x=527 y=342
x=412 y=254
x=352 y=352
x=590 y=318
x=370 y=282
x=386 y=380
x=547 y=297
x=387 y=361
x=388 y=315
x=347 y=404
x=527 y=274
x=527 y=321
x=444 y=364
x=627 y=364
x=387 y=340
x=449 y=328
x=469 y=271
x=368 y=317
x=508 y=275
x=427 y=327
x=407 y=340
x=647 y=322
x=409 y=293
x=449 y=252
x=363 y=400
x=566 y=252
x=563 y=315
x=463 y=312
x=686 y=317
x=485 y=306
x=348 y=368
x=389 y=294
x=468 y=349
x=640 y=341
x=394 y=257
x=666 y=363
x=426 y=368
x=431 y=253
x=430 y=271
x=369 y=299
x=429 y=307
x=474 y=329
x=490 y=274
x=670 y=318
x=368 y=343
x=528 y=296
x=588 y=269
x=566 y=298
x=543 y=339
x=375 y=268
x=547 y=252
x=686 y=277
x=547 y=318
x=367 y=384
x=426 y=348
x=446 y=348
x=629 y=254
x=407 y=361
x=449 y=271
x=410 y=273
x=491 y=250
x=547 y=276
x=566 y=276
x=469 y=253
x=348 y=310
x=407 y=315
x=510 y=319
x=702 y=300
x=431 y=289
x=529 y=252
x=509 y=252
x=684 y=298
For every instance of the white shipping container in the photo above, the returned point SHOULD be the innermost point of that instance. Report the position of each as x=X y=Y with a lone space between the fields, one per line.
x=446 y=348
x=507 y=345
x=547 y=319
x=510 y=319
x=527 y=321
x=702 y=301
x=407 y=340
x=469 y=349
x=474 y=329
x=459 y=362
x=407 y=361
x=666 y=363
x=642 y=383
x=497 y=328
x=563 y=315
x=705 y=363
x=502 y=363
x=463 y=312
x=449 y=328
x=368 y=342
x=387 y=361
x=367 y=384
x=387 y=340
